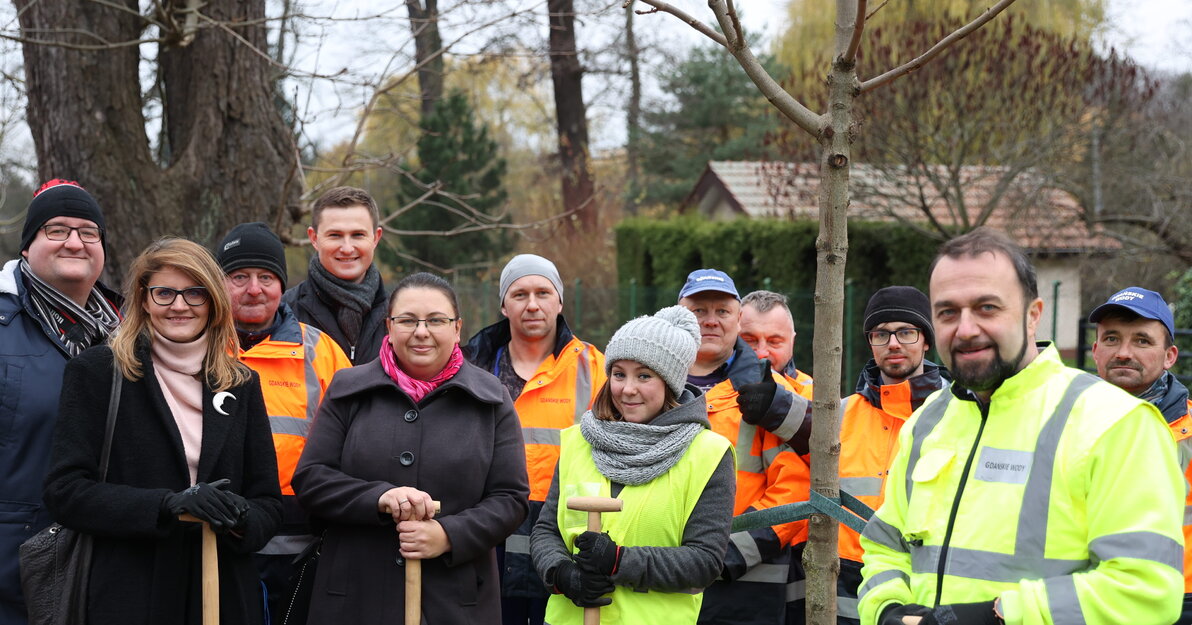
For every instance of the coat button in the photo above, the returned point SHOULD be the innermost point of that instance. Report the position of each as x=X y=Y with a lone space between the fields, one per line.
x=411 y=416
x=406 y=458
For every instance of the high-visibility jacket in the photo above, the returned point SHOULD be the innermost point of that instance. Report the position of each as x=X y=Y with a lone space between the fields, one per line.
x=870 y=422
x=1176 y=408
x=295 y=364
x=655 y=514
x=553 y=399
x=800 y=382
x=1061 y=497
x=769 y=474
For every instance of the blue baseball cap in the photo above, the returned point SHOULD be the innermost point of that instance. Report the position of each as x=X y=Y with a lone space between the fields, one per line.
x=702 y=280
x=1142 y=302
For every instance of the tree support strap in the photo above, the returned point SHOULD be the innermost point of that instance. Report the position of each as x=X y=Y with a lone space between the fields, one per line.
x=845 y=509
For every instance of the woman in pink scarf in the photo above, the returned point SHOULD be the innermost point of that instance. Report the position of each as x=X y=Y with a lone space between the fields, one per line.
x=415 y=425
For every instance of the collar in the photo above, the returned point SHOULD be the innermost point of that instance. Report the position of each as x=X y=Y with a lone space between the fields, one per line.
x=1170 y=396
x=922 y=386
x=483 y=348
x=1034 y=375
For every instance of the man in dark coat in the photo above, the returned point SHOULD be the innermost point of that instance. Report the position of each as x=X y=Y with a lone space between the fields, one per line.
x=343 y=294
x=52 y=306
x=461 y=444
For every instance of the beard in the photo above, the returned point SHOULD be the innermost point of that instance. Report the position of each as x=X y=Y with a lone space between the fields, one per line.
x=987 y=376
x=899 y=371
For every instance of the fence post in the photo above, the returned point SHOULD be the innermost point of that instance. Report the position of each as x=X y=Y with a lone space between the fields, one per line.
x=766 y=284
x=633 y=298
x=1055 y=310
x=846 y=375
x=579 y=305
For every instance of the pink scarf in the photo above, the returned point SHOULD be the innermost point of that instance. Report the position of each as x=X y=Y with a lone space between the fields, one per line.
x=417 y=389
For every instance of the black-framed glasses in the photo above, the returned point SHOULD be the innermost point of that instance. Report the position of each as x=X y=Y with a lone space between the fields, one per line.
x=410 y=324
x=58 y=232
x=905 y=336
x=165 y=296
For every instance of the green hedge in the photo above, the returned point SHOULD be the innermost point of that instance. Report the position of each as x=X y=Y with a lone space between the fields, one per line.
x=654 y=258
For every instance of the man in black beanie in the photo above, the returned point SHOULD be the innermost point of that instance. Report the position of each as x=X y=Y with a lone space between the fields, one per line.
x=897 y=326
x=52 y=306
x=296 y=362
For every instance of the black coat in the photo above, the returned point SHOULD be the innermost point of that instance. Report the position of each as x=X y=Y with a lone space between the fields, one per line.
x=146 y=567
x=462 y=444
x=312 y=310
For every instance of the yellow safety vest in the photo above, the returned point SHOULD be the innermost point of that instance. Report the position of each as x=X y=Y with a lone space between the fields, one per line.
x=654 y=515
x=1062 y=522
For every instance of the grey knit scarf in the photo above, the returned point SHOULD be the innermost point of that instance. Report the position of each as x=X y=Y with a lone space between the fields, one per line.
x=635 y=453
x=352 y=300
x=77 y=327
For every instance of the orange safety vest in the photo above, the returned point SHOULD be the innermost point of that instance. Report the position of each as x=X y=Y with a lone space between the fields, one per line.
x=554 y=399
x=801 y=383
x=296 y=364
x=1181 y=429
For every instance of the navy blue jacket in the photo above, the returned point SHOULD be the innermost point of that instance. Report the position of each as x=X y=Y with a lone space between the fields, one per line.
x=31 y=365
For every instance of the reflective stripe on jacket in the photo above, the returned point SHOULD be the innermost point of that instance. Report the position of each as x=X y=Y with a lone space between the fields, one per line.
x=296 y=364
x=1069 y=505
x=654 y=515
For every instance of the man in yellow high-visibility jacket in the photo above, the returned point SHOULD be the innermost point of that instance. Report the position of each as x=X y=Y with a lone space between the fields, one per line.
x=1135 y=347
x=1029 y=492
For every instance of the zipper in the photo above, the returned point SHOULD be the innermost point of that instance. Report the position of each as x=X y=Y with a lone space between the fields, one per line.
x=352 y=356
x=968 y=465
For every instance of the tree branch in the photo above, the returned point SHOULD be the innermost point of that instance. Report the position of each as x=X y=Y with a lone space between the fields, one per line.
x=935 y=50
x=685 y=17
x=850 y=55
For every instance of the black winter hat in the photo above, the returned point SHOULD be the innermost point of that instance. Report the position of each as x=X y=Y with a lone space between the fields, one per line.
x=900 y=303
x=252 y=245
x=59 y=198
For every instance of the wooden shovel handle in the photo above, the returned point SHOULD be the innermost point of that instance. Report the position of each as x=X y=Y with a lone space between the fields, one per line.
x=210 y=571
x=414 y=585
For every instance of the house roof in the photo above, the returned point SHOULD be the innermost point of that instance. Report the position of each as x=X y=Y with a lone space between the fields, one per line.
x=1041 y=218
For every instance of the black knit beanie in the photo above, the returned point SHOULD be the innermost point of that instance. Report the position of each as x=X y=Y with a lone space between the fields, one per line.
x=900 y=303
x=59 y=198
x=252 y=245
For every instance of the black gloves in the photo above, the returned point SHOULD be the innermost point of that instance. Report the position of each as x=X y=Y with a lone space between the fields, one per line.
x=584 y=589
x=755 y=399
x=223 y=510
x=597 y=553
x=893 y=614
x=962 y=614
x=948 y=614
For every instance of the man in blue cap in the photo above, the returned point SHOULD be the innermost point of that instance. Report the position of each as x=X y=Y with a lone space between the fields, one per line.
x=1135 y=348
x=742 y=391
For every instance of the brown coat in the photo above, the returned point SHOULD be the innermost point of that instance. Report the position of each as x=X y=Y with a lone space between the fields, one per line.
x=462 y=444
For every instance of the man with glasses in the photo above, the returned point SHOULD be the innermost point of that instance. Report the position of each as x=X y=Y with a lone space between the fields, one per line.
x=753 y=584
x=552 y=377
x=52 y=306
x=296 y=362
x=893 y=384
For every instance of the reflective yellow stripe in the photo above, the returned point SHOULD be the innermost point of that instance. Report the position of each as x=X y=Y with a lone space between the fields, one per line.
x=881 y=578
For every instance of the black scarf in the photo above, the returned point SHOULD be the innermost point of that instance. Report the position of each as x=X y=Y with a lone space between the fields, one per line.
x=78 y=328
x=350 y=300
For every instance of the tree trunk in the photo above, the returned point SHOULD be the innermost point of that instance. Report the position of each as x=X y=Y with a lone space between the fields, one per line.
x=231 y=159
x=571 y=116
x=820 y=558
x=428 y=45
x=633 y=113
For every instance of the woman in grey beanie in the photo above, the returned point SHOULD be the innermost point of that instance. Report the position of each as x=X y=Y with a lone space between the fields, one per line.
x=646 y=441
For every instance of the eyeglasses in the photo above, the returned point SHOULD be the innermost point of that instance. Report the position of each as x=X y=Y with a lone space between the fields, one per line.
x=410 y=324
x=87 y=234
x=165 y=296
x=264 y=279
x=905 y=336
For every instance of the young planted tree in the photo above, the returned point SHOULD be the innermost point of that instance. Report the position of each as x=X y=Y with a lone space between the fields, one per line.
x=835 y=132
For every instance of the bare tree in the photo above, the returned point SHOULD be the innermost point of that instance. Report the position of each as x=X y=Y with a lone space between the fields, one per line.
x=229 y=156
x=835 y=132
x=579 y=186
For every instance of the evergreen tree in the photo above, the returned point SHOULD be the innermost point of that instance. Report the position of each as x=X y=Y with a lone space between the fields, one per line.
x=456 y=154
x=717 y=114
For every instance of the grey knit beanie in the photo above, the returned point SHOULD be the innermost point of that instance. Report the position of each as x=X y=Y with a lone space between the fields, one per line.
x=666 y=343
x=524 y=265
